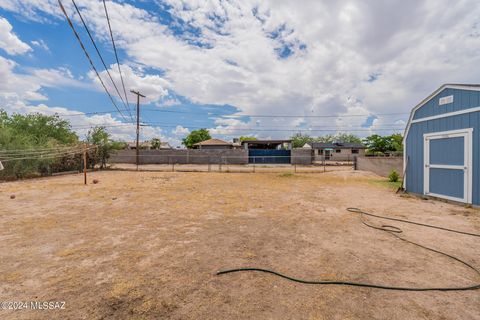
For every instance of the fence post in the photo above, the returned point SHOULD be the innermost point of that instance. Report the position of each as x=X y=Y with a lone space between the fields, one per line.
x=220 y=165
x=209 y=165
x=324 y=163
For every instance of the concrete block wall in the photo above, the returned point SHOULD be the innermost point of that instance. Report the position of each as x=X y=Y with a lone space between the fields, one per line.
x=380 y=165
x=302 y=156
x=183 y=156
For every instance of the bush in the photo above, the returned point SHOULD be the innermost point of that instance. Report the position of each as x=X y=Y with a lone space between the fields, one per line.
x=393 y=176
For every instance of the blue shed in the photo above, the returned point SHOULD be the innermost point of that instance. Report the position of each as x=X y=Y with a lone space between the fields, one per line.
x=442 y=145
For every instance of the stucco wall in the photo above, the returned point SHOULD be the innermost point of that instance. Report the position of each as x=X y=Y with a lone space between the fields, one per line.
x=380 y=165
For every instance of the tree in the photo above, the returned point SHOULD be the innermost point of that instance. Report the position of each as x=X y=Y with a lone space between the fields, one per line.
x=196 y=136
x=341 y=137
x=98 y=136
x=156 y=143
x=299 y=140
x=246 y=138
x=35 y=132
x=383 y=144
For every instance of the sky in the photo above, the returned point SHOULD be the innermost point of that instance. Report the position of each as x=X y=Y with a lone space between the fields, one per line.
x=268 y=68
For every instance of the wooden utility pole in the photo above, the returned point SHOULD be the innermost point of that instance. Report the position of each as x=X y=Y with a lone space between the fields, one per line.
x=138 y=123
x=85 y=163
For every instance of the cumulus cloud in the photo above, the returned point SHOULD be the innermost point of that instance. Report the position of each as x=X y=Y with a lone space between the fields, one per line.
x=327 y=57
x=153 y=87
x=9 y=40
x=180 y=131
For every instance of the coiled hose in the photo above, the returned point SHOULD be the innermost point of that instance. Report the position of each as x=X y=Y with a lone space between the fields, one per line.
x=393 y=231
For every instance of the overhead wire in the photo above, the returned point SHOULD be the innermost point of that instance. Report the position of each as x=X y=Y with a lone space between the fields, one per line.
x=100 y=56
x=45 y=156
x=345 y=129
x=89 y=58
x=116 y=56
x=237 y=115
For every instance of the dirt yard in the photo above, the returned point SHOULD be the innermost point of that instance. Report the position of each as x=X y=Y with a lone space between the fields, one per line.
x=147 y=246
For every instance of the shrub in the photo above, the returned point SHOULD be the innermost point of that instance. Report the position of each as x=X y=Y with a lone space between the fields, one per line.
x=393 y=176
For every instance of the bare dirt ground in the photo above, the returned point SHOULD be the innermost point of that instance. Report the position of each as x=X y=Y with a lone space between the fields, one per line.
x=147 y=245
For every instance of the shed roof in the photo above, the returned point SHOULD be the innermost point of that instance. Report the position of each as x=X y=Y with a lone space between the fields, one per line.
x=460 y=86
x=213 y=142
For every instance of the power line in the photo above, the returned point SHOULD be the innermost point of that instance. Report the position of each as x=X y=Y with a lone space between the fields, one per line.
x=116 y=57
x=279 y=116
x=240 y=115
x=89 y=58
x=100 y=56
x=256 y=129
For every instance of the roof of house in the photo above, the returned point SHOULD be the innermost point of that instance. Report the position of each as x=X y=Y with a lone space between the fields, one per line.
x=213 y=142
x=266 y=141
x=336 y=145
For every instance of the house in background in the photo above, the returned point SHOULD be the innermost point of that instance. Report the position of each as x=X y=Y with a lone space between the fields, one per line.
x=147 y=145
x=335 y=151
x=213 y=144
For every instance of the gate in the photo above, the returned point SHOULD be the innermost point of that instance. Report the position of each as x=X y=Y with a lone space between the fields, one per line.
x=268 y=156
x=448 y=165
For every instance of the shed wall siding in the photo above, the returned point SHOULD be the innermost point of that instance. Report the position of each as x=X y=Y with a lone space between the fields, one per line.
x=414 y=140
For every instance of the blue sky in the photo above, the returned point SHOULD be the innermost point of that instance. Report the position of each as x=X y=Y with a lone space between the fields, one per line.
x=202 y=64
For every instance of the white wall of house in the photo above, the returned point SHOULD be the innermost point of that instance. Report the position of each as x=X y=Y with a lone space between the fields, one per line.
x=339 y=154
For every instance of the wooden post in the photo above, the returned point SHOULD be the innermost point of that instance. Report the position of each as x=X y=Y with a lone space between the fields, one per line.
x=85 y=163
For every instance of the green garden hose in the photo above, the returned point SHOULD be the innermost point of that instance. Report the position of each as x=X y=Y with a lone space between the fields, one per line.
x=393 y=231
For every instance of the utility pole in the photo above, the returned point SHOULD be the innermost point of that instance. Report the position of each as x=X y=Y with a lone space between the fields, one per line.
x=85 y=163
x=138 y=121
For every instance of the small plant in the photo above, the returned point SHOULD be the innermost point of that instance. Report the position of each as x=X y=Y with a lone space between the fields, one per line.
x=286 y=175
x=393 y=176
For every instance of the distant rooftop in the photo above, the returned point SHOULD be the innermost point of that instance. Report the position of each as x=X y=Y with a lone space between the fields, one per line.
x=337 y=145
x=213 y=142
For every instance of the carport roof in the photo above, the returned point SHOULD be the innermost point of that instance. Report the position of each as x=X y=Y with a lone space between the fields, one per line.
x=266 y=141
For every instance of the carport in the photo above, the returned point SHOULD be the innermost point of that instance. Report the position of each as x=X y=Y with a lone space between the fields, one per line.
x=268 y=151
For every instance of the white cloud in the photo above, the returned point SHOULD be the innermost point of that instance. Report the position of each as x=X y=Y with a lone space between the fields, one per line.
x=40 y=44
x=227 y=52
x=153 y=87
x=180 y=131
x=9 y=40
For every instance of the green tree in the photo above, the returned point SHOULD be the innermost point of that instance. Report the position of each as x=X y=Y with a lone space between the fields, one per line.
x=396 y=142
x=156 y=143
x=383 y=144
x=100 y=138
x=246 y=138
x=341 y=137
x=196 y=136
x=299 y=140
x=35 y=133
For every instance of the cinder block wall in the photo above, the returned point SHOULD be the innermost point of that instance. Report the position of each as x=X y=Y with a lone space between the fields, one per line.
x=182 y=156
x=302 y=156
x=381 y=165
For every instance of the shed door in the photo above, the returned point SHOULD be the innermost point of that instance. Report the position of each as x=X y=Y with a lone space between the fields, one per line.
x=448 y=159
